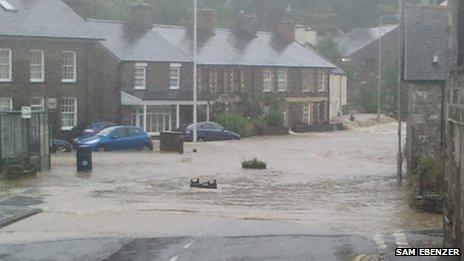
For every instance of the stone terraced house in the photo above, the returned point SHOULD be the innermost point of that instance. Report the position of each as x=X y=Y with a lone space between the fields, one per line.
x=46 y=62
x=154 y=64
x=134 y=72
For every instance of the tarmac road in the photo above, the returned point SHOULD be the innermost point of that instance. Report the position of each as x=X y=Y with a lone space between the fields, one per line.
x=259 y=247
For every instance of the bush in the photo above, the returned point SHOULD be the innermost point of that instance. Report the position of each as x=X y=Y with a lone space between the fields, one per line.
x=254 y=164
x=274 y=118
x=431 y=176
x=236 y=123
x=427 y=190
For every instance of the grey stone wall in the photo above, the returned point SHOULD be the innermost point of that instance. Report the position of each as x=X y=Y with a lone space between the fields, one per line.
x=453 y=211
x=424 y=122
x=424 y=143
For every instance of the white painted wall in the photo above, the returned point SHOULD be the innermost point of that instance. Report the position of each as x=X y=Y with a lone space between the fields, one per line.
x=337 y=95
x=304 y=35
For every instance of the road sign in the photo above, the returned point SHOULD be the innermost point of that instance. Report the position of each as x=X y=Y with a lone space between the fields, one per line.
x=26 y=112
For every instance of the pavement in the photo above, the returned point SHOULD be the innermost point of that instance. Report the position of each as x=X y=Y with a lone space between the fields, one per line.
x=17 y=208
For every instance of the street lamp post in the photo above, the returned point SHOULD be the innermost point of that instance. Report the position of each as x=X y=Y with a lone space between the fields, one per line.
x=379 y=83
x=195 y=43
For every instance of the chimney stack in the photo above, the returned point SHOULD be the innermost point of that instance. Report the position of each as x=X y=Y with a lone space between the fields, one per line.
x=141 y=17
x=81 y=7
x=246 y=24
x=207 y=22
x=286 y=29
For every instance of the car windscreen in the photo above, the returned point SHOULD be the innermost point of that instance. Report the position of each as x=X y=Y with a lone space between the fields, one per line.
x=105 y=132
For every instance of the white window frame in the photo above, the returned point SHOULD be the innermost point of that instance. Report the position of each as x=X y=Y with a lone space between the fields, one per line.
x=176 y=67
x=143 y=78
x=307 y=75
x=41 y=65
x=10 y=100
x=267 y=81
x=38 y=107
x=322 y=82
x=306 y=112
x=65 y=128
x=282 y=82
x=73 y=66
x=10 y=66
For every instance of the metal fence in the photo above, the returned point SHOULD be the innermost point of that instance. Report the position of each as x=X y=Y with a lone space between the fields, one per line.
x=25 y=141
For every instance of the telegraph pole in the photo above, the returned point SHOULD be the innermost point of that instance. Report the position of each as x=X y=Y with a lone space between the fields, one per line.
x=195 y=43
x=400 y=49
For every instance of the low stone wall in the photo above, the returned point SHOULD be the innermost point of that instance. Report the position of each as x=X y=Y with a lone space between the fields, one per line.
x=272 y=131
x=325 y=127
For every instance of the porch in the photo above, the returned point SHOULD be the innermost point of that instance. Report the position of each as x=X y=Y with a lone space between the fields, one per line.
x=155 y=116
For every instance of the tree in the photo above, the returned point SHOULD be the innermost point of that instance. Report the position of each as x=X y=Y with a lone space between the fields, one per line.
x=330 y=49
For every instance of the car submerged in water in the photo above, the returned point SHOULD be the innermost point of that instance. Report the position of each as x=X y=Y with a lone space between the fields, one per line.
x=118 y=138
x=209 y=131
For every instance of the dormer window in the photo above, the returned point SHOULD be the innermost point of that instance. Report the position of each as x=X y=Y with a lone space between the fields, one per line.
x=7 y=6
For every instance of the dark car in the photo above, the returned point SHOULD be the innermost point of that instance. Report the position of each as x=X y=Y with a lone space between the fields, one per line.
x=79 y=133
x=118 y=138
x=209 y=131
x=59 y=146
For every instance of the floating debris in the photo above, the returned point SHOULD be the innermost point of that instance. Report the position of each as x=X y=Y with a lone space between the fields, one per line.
x=205 y=185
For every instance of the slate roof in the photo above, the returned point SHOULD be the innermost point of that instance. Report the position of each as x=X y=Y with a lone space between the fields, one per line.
x=338 y=71
x=174 y=44
x=44 y=18
x=426 y=35
x=358 y=38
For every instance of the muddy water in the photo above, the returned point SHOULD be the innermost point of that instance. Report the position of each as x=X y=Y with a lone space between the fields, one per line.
x=341 y=182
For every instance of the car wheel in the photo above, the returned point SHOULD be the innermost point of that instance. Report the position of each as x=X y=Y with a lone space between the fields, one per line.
x=102 y=148
x=147 y=147
x=61 y=149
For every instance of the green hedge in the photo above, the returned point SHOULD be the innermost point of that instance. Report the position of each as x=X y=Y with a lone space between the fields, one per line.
x=236 y=123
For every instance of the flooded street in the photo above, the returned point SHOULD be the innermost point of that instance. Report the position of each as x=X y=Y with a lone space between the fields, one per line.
x=329 y=183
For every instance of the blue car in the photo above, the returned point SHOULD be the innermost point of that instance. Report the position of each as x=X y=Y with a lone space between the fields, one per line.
x=91 y=130
x=119 y=138
x=209 y=131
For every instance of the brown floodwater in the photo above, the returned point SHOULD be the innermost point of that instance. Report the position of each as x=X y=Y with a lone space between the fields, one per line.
x=339 y=182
